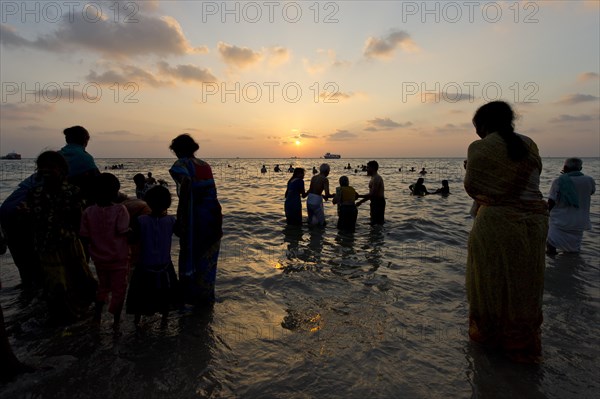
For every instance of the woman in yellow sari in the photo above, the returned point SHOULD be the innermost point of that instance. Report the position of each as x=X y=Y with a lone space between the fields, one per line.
x=506 y=259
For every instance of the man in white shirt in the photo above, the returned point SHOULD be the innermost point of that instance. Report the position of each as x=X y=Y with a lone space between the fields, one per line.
x=569 y=204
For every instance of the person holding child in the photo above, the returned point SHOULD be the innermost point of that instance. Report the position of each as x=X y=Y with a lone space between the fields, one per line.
x=105 y=229
x=154 y=282
x=345 y=197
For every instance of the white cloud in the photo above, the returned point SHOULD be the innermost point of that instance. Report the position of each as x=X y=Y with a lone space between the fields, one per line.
x=342 y=135
x=187 y=72
x=385 y=47
x=241 y=57
x=378 y=124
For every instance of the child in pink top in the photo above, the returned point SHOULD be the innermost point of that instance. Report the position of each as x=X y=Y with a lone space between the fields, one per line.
x=105 y=227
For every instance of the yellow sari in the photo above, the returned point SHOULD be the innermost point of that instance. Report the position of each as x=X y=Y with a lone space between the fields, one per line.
x=506 y=249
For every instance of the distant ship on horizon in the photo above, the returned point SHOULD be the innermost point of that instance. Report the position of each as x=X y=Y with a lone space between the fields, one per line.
x=332 y=156
x=12 y=155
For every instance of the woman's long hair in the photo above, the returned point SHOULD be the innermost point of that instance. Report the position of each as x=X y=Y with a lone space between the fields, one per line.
x=498 y=116
x=297 y=173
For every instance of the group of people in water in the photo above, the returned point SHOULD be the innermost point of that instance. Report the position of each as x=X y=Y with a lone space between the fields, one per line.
x=69 y=213
x=345 y=198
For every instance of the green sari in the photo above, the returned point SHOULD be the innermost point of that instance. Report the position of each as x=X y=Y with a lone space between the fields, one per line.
x=506 y=248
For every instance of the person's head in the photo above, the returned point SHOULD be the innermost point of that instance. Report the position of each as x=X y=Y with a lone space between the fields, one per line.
x=184 y=146
x=298 y=173
x=52 y=166
x=106 y=188
x=158 y=199
x=344 y=181
x=324 y=169
x=572 y=165
x=139 y=180
x=76 y=135
x=372 y=167
x=149 y=174
x=420 y=181
x=444 y=183
x=498 y=117
x=495 y=116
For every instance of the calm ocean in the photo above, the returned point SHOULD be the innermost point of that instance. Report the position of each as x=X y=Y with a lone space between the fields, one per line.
x=315 y=313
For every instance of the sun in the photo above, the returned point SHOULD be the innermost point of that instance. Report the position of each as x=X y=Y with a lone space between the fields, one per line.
x=298 y=142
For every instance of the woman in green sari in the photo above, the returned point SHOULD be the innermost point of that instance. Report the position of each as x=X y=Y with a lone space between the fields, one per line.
x=506 y=258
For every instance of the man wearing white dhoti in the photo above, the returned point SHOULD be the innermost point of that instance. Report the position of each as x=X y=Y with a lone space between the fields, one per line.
x=314 y=203
x=569 y=204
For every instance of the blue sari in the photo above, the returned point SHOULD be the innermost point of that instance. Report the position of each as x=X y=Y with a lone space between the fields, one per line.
x=201 y=221
x=293 y=202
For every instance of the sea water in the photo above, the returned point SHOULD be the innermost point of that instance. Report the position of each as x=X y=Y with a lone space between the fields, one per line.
x=313 y=312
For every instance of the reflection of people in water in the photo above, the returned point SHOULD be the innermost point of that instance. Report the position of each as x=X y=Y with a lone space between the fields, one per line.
x=444 y=190
x=345 y=197
x=418 y=188
x=292 y=235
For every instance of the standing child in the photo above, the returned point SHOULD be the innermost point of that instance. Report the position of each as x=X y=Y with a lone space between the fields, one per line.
x=154 y=282
x=345 y=197
x=105 y=227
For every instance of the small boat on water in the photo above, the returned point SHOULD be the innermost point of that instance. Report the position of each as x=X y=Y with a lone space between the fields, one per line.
x=12 y=155
x=332 y=156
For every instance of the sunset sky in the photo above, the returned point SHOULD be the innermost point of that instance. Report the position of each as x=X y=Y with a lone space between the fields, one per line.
x=282 y=78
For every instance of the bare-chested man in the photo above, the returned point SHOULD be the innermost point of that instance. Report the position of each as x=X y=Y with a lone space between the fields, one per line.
x=376 y=194
x=314 y=203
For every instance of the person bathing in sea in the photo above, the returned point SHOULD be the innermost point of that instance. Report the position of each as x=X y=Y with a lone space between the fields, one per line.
x=345 y=197
x=376 y=194
x=314 y=203
x=444 y=190
x=418 y=188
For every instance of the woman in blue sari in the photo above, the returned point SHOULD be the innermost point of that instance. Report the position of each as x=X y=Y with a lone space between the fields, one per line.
x=200 y=222
x=293 y=204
